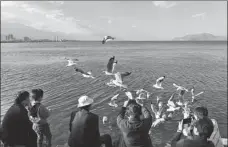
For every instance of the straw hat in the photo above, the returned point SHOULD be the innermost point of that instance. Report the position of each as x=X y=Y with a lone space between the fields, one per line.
x=84 y=101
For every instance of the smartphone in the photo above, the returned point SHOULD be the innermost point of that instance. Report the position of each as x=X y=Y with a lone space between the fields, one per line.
x=187 y=120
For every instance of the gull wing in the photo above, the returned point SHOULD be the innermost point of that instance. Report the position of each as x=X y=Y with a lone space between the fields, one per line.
x=110 y=64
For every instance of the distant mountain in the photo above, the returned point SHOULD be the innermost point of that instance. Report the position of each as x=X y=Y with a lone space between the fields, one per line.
x=200 y=37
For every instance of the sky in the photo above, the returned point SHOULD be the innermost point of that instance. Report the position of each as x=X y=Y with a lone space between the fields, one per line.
x=125 y=20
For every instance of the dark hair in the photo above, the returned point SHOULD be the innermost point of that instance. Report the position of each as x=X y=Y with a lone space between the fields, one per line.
x=85 y=107
x=205 y=111
x=134 y=110
x=205 y=127
x=21 y=96
x=200 y=112
x=37 y=93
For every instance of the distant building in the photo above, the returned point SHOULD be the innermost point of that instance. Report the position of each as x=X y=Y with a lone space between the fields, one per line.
x=27 y=39
x=10 y=37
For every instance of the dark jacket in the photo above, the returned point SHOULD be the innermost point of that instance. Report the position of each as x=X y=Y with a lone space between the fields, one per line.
x=135 y=133
x=84 y=129
x=17 y=127
x=190 y=142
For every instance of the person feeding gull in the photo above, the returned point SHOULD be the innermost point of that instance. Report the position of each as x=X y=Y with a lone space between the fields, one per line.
x=71 y=62
x=158 y=84
x=119 y=79
x=107 y=38
x=84 y=74
x=111 y=66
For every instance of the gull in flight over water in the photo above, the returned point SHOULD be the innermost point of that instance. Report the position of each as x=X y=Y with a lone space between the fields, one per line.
x=71 y=62
x=194 y=95
x=172 y=106
x=180 y=87
x=84 y=74
x=119 y=79
x=143 y=94
x=107 y=38
x=112 y=103
x=111 y=66
x=158 y=84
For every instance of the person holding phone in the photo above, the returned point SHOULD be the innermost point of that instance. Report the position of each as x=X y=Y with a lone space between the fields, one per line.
x=200 y=130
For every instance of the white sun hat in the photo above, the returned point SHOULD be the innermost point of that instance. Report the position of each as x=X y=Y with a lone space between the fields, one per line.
x=84 y=101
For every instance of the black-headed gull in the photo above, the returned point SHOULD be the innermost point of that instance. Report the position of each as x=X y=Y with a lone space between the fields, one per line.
x=114 y=97
x=119 y=79
x=113 y=104
x=111 y=66
x=194 y=95
x=107 y=38
x=143 y=93
x=171 y=104
x=84 y=74
x=180 y=87
x=157 y=112
x=158 y=84
x=71 y=62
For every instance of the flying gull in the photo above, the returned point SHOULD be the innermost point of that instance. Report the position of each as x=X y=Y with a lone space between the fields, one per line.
x=119 y=79
x=107 y=38
x=143 y=93
x=111 y=66
x=84 y=74
x=113 y=104
x=171 y=104
x=71 y=62
x=179 y=87
x=194 y=95
x=158 y=84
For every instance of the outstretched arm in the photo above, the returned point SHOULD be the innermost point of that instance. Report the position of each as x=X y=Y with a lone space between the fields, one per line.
x=154 y=110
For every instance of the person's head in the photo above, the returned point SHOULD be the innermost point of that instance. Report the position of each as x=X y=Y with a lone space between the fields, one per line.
x=22 y=98
x=84 y=102
x=37 y=94
x=203 y=128
x=134 y=111
x=200 y=112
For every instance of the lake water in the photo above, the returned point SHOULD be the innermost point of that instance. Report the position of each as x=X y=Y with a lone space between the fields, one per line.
x=41 y=65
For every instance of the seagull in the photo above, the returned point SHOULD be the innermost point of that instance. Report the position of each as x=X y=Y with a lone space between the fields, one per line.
x=171 y=104
x=84 y=74
x=194 y=95
x=71 y=62
x=114 y=97
x=143 y=92
x=158 y=84
x=119 y=79
x=113 y=104
x=111 y=66
x=180 y=87
x=107 y=38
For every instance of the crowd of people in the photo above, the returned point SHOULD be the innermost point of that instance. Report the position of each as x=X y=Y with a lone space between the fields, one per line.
x=25 y=125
